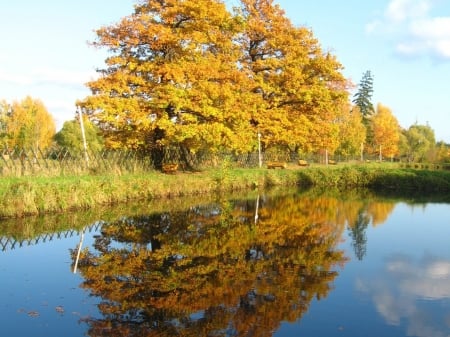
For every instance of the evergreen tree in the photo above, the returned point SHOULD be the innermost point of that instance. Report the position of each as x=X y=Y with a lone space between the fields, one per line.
x=363 y=97
x=358 y=235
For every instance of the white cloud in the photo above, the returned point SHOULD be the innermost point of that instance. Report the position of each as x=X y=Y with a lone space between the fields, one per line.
x=50 y=76
x=413 y=292
x=373 y=26
x=413 y=29
x=432 y=28
x=428 y=280
x=401 y=10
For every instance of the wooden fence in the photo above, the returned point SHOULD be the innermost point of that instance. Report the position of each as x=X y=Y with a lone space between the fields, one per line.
x=52 y=162
x=23 y=162
x=20 y=162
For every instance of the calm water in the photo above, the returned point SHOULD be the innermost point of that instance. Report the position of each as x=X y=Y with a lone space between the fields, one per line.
x=261 y=265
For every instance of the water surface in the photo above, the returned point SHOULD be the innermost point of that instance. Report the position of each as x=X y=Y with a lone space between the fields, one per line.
x=268 y=264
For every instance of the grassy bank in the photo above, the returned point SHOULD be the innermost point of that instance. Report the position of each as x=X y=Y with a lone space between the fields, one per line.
x=39 y=195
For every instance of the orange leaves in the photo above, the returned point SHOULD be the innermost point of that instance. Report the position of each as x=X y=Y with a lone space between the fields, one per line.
x=214 y=257
x=204 y=73
x=295 y=81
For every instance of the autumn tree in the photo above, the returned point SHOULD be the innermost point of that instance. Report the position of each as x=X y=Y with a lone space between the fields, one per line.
x=386 y=132
x=29 y=125
x=352 y=132
x=70 y=136
x=297 y=85
x=173 y=79
x=191 y=74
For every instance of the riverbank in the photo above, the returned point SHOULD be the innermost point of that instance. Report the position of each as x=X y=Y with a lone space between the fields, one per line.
x=42 y=195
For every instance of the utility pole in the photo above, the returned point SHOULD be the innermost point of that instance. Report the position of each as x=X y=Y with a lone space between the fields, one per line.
x=83 y=135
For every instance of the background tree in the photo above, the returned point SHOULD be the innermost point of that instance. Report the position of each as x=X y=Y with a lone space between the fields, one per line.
x=363 y=100
x=70 y=136
x=386 y=132
x=363 y=97
x=419 y=143
x=352 y=132
x=442 y=152
x=30 y=125
x=5 y=114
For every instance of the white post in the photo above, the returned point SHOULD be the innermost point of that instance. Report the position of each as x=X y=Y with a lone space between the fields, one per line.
x=259 y=149
x=83 y=135
x=362 y=152
x=256 y=209
x=326 y=156
x=78 y=252
x=381 y=156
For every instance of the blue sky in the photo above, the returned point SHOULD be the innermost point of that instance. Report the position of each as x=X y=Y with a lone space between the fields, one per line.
x=404 y=43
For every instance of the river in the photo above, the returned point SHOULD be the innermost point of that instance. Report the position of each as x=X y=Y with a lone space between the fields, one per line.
x=272 y=263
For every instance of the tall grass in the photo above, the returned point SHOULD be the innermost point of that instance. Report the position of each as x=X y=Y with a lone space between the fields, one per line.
x=39 y=195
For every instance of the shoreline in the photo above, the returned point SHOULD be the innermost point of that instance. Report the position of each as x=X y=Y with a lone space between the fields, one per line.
x=30 y=196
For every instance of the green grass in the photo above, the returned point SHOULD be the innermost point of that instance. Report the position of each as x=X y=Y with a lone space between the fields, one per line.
x=41 y=195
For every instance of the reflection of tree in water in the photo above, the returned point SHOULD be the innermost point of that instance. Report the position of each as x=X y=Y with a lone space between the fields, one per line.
x=367 y=212
x=358 y=235
x=210 y=270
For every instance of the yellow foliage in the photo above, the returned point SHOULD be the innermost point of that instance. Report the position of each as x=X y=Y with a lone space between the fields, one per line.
x=386 y=131
x=191 y=73
x=29 y=125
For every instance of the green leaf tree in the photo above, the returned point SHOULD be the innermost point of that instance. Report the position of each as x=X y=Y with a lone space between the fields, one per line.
x=419 y=143
x=442 y=152
x=70 y=136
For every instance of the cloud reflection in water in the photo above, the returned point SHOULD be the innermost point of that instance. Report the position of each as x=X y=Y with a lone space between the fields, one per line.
x=414 y=293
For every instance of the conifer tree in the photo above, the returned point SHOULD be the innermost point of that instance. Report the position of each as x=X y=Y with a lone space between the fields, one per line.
x=363 y=97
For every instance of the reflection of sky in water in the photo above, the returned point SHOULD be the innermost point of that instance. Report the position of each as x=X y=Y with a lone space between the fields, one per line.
x=40 y=294
x=415 y=291
x=410 y=285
